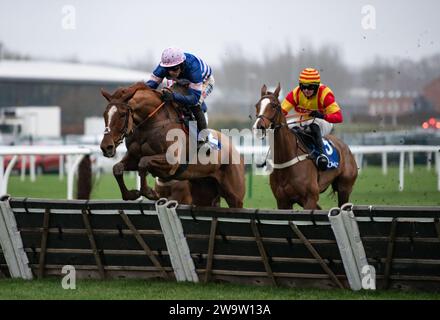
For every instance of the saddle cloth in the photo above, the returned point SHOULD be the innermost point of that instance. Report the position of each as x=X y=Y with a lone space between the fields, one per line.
x=329 y=149
x=331 y=152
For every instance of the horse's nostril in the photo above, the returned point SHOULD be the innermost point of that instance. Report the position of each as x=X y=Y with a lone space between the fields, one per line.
x=107 y=149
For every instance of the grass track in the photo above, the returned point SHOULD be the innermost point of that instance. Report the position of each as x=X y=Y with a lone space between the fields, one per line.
x=49 y=289
x=371 y=188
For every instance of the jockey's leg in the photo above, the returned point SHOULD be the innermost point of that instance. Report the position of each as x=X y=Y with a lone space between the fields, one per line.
x=322 y=160
x=201 y=108
x=318 y=136
x=200 y=117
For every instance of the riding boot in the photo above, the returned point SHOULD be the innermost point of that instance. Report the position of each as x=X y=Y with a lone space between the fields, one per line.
x=201 y=124
x=322 y=159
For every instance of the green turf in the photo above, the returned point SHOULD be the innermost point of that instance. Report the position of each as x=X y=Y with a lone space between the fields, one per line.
x=371 y=188
x=156 y=290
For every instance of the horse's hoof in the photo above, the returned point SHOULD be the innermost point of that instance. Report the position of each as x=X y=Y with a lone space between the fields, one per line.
x=132 y=195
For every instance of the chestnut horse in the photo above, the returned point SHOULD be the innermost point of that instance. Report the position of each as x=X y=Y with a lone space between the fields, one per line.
x=297 y=180
x=138 y=114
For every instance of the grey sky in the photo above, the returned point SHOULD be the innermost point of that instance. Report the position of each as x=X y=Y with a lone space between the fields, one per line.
x=130 y=30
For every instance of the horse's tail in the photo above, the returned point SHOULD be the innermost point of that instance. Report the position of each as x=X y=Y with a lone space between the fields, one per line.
x=84 y=185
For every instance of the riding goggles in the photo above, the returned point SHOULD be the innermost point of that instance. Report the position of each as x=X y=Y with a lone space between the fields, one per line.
x=304 y=86
x=175 y=68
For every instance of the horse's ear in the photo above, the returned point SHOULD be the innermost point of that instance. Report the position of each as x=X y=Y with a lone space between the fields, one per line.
x=263 y=90
x=106 y=95
x=277 y=90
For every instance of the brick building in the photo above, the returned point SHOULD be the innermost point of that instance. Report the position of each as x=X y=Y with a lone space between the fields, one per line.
x=431 y=92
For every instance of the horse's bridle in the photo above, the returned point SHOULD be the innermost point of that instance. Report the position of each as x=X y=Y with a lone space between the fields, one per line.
x=127 y=118
x=277 y=106
x=129 y=114
x=274 y=126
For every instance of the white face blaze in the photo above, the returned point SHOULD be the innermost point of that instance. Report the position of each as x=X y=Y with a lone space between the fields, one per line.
x=263 y=104
x=110 y=114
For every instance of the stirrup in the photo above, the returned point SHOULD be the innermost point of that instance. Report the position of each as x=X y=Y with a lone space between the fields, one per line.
x=322 y=162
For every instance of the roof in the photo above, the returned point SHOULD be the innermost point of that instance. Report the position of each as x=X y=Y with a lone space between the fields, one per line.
x=43 y=70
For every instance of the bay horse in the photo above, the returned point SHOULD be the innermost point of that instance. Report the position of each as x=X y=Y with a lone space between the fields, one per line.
x=138 y=114
x=297 y=179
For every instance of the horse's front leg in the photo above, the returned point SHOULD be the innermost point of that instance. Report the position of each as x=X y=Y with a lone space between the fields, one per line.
x=157 y=164
x=118 y=171
x=146 y=191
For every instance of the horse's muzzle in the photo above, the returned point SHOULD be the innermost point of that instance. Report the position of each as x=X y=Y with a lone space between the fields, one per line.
x=108 y=150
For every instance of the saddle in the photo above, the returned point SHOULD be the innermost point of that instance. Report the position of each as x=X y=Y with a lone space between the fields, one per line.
x=306 y=138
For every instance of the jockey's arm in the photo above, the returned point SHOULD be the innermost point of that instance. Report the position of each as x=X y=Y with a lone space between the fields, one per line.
x=156 y=77
x=288 y=103
x=334 y=117
x=332 y=111
x=193 y=96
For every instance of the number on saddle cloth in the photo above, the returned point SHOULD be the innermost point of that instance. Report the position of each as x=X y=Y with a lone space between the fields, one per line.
x=330 y=151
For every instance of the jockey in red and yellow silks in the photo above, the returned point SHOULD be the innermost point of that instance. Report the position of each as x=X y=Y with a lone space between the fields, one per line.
x=316 y=104
x=323 y=101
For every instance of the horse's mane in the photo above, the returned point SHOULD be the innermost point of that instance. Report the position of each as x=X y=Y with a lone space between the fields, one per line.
x=125 y=92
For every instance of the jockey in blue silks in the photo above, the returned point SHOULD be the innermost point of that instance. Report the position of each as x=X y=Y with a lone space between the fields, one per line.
x=176 y=64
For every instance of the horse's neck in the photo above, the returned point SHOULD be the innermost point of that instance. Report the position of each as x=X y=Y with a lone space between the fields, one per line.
x=286 y=146
x=147 y=104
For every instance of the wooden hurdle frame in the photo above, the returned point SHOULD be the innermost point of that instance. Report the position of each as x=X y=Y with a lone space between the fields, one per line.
x=124 y=239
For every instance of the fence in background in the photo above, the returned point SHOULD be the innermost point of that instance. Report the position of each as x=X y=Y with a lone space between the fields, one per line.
x=74 y=154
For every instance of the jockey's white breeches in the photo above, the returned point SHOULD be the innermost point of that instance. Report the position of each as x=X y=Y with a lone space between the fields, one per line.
x=326 y=127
